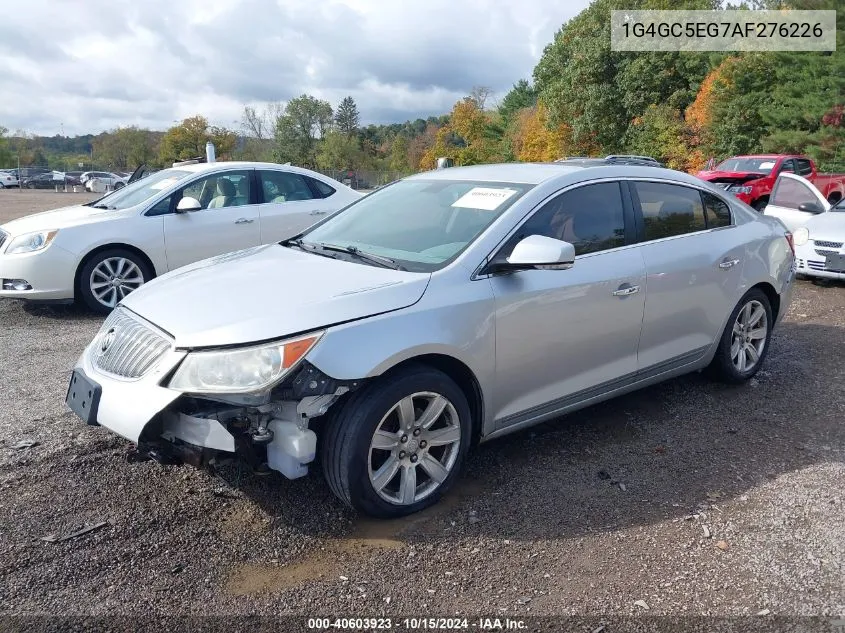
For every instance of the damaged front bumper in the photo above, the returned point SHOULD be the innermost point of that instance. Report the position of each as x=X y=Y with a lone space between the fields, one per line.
x=267 y=431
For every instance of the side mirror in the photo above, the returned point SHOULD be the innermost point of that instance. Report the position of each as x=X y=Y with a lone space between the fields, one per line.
x=188 y=204
x=539 y=252
x=811 y=207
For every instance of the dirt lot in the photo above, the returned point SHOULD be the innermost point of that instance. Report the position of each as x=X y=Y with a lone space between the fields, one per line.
x=692 y=497
x=17 y=202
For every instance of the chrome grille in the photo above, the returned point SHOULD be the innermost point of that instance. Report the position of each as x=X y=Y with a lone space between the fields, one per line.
x=821 y=243
x=824 y=253
x=127 y=348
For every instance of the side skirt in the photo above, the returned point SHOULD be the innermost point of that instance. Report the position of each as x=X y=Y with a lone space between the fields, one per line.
x=685 y=364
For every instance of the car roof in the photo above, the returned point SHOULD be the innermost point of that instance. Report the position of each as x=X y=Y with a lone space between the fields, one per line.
x=234 y=164
x=536 y=173
x=767 y=156
x=527 y=173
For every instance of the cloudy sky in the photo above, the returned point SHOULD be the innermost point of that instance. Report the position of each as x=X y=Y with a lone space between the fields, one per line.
x=94 y=65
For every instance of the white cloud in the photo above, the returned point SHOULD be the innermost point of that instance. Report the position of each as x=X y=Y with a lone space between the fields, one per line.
x=124 y=62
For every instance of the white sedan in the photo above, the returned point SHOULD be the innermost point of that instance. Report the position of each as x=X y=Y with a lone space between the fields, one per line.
x=98 y=181
x=101 y=251
x=8 y=179
x=818 y=228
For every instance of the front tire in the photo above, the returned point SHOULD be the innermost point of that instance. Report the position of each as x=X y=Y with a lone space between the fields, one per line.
x=397 y=445
x=760 y=205
x=107 y=277
x=745 y=340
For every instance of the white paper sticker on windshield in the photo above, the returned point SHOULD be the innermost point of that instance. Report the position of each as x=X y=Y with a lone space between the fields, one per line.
x=485 y=198
x=161 y=184
x=766 y=165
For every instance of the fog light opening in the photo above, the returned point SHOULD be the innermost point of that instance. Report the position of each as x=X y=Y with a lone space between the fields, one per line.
x=16 y=284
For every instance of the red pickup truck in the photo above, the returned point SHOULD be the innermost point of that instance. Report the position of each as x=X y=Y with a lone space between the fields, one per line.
x=751 y=178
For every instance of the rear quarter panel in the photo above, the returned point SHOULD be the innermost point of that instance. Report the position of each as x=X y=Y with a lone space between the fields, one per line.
x=768 y=258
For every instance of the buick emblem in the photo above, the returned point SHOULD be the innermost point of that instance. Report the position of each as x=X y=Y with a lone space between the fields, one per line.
x=107 y=340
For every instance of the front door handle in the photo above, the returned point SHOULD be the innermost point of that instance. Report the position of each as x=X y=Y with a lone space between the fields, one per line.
x=315 y=212
x=626 y=289
x=244 y=221
x=728 y=263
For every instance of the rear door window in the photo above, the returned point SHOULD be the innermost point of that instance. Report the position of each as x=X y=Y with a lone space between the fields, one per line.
x=669 y=209
x=804 y=166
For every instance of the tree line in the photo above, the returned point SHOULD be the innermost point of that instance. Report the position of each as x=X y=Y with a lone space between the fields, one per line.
x=582 y=100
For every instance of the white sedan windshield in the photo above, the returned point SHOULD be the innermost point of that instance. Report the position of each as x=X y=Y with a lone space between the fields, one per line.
x=141 y=190
x=420 y=224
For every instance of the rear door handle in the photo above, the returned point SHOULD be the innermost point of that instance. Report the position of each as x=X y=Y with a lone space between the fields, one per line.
x=728 y=263
x=244 y=221
x=626 y=289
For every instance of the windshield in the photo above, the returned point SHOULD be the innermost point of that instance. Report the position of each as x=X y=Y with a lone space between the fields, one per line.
x=141 y=190
x=758 y=165
x=420 y=224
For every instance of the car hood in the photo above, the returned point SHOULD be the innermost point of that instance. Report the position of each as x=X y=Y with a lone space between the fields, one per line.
x=827 y=226
x=269 y=292
x=59 y=219
x=732 y=177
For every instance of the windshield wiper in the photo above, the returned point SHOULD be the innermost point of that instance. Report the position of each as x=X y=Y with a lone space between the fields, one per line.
x=386 y=262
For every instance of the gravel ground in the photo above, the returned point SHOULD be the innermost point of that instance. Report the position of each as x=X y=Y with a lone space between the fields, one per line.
x=17 y=202
x=692 y=497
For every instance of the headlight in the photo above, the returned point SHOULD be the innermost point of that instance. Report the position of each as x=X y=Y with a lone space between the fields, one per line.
x=739 y=189
x=30 y=242
x=800 y=236
x=240 y=370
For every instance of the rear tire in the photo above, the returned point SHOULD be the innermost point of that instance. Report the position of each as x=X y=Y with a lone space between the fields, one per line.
x=108 y=276
x=745 y=340
x=383 y=457
x=759 y=205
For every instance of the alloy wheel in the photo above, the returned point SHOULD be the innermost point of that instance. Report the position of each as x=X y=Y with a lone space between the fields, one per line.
x=114 y=278
x=749 y=335
x=414 y=448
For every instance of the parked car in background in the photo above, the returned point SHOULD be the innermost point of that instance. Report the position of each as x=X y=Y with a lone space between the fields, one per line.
x=450 y=307
x=795 y=200
x=101 y=251
x=73 y=177
x=751 y=178
x=29 y=172
x=8 y=179
x=98 y=181
x=818 y=228
x=47 y=180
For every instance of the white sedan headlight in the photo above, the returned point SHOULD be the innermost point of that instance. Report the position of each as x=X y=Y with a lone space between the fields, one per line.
x=801 y=236
x=240 y=370
x=30 y=242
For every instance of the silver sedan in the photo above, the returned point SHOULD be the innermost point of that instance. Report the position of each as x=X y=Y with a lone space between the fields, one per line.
x=450 y=307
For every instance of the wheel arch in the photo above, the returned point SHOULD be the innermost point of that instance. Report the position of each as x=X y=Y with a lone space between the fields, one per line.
x=773 y=297
x=463 y=377
x=77 y=276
